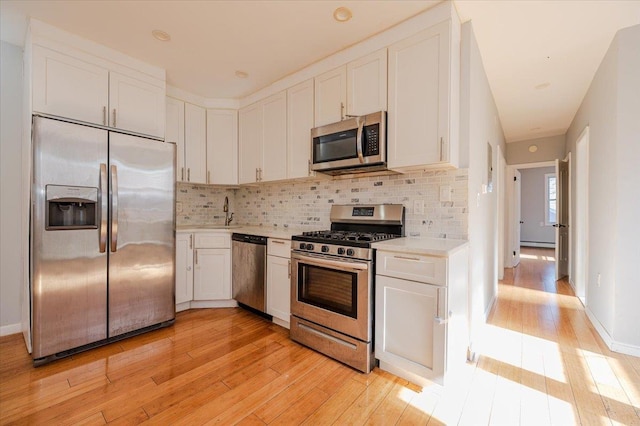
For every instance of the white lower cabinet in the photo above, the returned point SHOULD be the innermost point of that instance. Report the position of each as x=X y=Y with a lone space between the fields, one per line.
x=279 y=280
x=203 y=270
x=421 y=321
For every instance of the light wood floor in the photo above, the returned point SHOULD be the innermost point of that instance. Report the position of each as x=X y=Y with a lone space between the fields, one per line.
x=541 y=363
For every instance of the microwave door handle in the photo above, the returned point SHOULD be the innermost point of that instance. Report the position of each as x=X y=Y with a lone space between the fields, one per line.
x=360 y=124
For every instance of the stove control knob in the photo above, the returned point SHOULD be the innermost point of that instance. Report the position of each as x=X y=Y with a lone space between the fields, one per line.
x=325 y=249
x=350 y=252
x=309 y=246
x=303 y=246
x=340 y=250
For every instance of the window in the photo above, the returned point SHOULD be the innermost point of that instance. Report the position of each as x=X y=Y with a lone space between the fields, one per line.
x=550 y=199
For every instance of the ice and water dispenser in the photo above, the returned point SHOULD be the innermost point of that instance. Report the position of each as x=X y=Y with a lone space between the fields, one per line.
x=71 y=207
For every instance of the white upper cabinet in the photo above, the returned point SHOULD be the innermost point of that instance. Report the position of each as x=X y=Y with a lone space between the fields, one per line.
x=367 y=84
x=274 y=128
x=195 y=135
x=135 y=105
x=75 y=87
x=222 y=146
x=263 y=140
x=299 y=125
x=249 y=143
x=423 y=91
x=68 y=87
x=174 y=133
x=330 y=96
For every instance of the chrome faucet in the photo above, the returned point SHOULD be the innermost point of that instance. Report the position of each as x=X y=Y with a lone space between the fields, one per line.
x=227 y=218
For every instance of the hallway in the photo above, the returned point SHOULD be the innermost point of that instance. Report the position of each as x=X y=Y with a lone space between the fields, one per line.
x=542 y=361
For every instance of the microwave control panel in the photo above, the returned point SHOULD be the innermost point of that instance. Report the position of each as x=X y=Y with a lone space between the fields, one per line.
x=371 y=142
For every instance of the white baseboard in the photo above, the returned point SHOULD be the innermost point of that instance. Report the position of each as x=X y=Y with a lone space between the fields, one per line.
x=198 y=304
x=623 y=348
x=281 y=323
x=7 y=330
x=536 y=244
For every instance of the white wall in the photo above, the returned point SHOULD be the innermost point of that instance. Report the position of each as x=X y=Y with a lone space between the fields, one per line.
x=532 y=194
x=611 y=109
x=549 y=149
x=479 y=125
x=10 y=188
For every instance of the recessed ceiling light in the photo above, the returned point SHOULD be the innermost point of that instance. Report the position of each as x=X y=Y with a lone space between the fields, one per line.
x=533 y=148
x=161 y=35
x=543 y=85
x=342 y=14
x=242 y=74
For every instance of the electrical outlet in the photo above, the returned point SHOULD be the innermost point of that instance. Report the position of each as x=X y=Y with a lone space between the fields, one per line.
x=445 y=193
x=418 y=207
x=178 y=207
x=599 y=276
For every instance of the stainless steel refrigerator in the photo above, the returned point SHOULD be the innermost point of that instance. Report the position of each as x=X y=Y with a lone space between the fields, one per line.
x=102 y=236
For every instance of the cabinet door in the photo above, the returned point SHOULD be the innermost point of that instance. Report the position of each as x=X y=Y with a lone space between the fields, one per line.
x=367 y=84
x=299 y=125
x=249 y=143
x=184 y=268
x=174 y=133
x=222 y=146
x=407 y=333
x=195 y=143
x=274 y=139
x=331 y=96
x=68 y=87
x=135 y=105
x=212 y=275
x=279 y=287
x=419 y=99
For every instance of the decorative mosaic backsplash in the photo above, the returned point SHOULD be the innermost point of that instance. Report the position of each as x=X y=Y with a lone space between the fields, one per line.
x=202 y=204
x=307 y=204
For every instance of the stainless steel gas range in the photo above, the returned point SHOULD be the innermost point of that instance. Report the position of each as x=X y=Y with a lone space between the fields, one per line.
x=332 y=281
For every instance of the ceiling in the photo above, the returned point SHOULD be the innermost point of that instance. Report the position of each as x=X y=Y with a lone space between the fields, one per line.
x=540 y=56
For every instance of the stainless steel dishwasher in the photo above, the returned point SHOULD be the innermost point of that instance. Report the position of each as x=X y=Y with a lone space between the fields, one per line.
x=249 y=271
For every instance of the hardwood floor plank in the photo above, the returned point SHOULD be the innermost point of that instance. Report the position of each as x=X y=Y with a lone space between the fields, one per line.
x=251 y=420
x=393 y=405
x=333 y=408
x=368 y=400
x=302 y=408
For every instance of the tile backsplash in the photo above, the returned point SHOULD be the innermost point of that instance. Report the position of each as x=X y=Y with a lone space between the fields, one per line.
x=306 y=204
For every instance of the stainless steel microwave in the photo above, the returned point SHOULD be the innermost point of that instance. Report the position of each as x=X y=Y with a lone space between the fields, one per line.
x=357 y=144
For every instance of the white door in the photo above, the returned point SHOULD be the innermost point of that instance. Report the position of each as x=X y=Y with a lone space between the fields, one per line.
x=279 y=287
x=68 y=87
x=299 y=125
x=517 y=219
x=212 y=274
x=274 y=142
x=562 y=219
x=195 y=143
x=222 y=146
x=331 y=96
x=249 y=143
x=184 y=268
x=174 y=133
x=367 y=84
x=136 y=106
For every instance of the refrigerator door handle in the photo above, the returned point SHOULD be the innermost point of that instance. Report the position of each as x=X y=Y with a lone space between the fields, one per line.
x=113 y=212
x=103 y=208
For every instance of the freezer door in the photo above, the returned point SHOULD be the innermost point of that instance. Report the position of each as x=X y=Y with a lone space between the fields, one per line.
x=68 y=269
x=142 y=240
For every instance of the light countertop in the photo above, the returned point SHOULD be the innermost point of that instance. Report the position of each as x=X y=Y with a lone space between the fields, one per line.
x=264 y=231
x=425 y=246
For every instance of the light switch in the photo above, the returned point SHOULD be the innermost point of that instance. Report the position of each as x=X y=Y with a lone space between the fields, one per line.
x=418 y=207
x=445 y=193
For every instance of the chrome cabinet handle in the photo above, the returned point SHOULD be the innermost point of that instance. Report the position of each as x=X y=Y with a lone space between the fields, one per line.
x=208 y=176
x=341 y=111
x=415 y=259
x=188 y=174
x=114 y=118
x=289 y=268
x=277 y=242
x=309 y=167
x=182 y=174
x=260 y=169
x=359 y=141
x=114 y=208
x=196 y=255
x=104 y=115
x=103 y=211
x=191 y=241
x=441 y=149
x=256 y=174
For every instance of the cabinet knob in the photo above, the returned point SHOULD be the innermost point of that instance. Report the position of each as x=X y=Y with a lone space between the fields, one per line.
x=188 y=268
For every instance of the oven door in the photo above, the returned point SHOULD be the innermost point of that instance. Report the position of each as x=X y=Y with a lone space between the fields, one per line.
x=335 y=293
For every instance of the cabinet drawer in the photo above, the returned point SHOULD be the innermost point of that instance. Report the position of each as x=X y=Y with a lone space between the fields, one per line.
x=426 y=269
x=212 y=240
x=277 y=247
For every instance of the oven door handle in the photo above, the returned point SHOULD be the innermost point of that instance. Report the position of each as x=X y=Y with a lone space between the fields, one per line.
x=323 y=262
